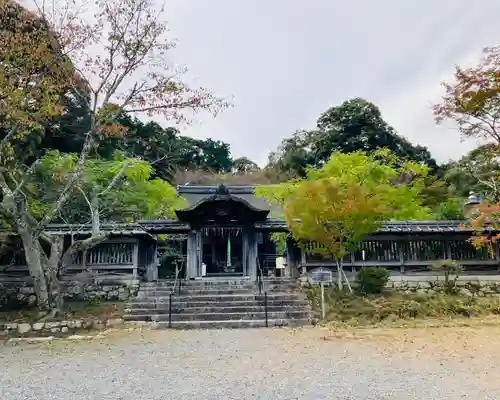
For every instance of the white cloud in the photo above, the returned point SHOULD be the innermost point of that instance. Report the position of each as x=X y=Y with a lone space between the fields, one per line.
x=287 y=61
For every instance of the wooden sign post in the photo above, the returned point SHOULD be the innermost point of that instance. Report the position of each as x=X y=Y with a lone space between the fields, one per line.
x=321 y=276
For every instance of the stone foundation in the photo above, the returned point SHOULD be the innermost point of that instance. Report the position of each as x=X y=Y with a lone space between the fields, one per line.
x=14 y=294
x=466 y=285
x=56 y=327
x=463 y=288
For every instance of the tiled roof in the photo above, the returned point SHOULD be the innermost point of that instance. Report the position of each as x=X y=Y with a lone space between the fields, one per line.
x=195 y=193
x=174 y=226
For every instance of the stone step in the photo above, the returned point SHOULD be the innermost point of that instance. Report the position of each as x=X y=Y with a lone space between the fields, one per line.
x=225 y=297
x=220 y=303
x=199 y=282
x=241 y=282
x=217 y=284
x=201 y=286
x=289 y=314
x=228 y=324
x=211 y=293
x=218 y=297
x=195 y=304
x=216 y=309
x=184 y=291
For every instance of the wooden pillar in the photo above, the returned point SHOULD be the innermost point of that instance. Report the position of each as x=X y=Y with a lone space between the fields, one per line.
x=152 y=265
x=292 y=259
x=212 y=249
x=496 y=250
x=199 y=252
x=192 y=255
x=252 y=251
x=401 y=245
x=244 y=251
x=303 y=260
x=135 y=259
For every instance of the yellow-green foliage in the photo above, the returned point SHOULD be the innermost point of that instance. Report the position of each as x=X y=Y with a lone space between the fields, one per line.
x=337 y=205
x=134 y=195
x=398 y=182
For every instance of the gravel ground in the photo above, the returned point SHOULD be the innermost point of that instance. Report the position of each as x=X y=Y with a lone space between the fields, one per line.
x=438 y=363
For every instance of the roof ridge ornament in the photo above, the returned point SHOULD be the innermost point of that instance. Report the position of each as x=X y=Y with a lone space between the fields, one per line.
x=222 y=190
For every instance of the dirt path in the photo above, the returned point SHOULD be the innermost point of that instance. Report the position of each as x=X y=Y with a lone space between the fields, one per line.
x=382 y=363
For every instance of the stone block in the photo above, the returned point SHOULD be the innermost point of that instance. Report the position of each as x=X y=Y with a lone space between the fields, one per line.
x=55 y=330
x=113 y=323
x=123 y=297
x=53 y=324
x=38 y=326
x=98 y=324
x=77 y=323
x=79 y=337
x=11 y=327
x=64 y=329
x=23 y=328
x=114 y=294
x=87 y=324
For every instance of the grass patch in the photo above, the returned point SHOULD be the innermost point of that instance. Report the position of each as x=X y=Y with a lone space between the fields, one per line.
x=392 y=306
x=72 y=310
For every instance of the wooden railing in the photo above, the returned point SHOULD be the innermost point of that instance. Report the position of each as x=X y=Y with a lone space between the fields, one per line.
x=407 y=256
x=114 y=257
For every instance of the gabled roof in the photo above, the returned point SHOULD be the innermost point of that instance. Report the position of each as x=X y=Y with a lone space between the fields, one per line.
x=248 y=212
x=195 y=193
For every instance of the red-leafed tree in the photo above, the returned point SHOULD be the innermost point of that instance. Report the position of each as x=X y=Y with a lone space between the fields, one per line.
x=472 y=101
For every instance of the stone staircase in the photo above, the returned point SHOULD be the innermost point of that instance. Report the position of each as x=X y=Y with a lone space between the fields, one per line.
x=220 y=303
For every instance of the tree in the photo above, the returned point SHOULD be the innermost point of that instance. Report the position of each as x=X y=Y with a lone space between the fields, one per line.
x=472 y=101
x=349 y=197
x=243 y=165
x=120 y=189
x=120 y=54
x=486 y=226
x=42 y=79
x=355 y=125
x=476 y=172
x=116 y=190
x=167 y=149
x=331 y=219
x=294 y=156
x=400 y=181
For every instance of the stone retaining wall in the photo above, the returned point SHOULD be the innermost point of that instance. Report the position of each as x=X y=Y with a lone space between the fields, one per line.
x=485 y=285
x=464 y=288
x=56 y=327
x=21 y=293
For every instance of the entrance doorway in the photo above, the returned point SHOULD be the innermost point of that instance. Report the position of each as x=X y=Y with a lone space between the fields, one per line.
x=222 y=251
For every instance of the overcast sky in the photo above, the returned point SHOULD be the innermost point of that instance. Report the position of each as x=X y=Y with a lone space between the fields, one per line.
x=283 y=62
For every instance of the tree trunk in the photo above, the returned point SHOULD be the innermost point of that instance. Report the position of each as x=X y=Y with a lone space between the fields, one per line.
x=94 y=213
x=52 y=275
x=32 y=251
x=339 y=275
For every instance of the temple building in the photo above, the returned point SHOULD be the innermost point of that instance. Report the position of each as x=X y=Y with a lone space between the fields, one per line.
x=228 y=232
x=225 y=231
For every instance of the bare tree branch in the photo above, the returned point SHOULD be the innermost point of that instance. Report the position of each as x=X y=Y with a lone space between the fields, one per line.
x=115 y=179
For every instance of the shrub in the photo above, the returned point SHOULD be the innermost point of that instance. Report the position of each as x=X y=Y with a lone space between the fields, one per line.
x=447 y=268
x=372 y=280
